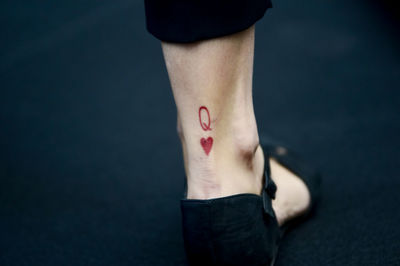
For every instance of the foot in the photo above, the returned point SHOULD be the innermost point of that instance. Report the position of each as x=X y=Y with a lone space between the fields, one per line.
x=292 y=196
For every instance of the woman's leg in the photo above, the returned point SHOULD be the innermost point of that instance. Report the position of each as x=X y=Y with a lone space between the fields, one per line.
x=212 y=86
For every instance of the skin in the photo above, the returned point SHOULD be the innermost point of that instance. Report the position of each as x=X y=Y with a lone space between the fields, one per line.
x=211 y=82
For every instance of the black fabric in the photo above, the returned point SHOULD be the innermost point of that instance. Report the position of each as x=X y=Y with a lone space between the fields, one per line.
x=185 y=21
x=233 y=230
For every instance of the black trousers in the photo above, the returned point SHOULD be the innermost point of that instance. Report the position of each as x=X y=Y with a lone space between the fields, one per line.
x=184 y=21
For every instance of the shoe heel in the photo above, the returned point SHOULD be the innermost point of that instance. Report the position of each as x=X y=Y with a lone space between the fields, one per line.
x=232 y=230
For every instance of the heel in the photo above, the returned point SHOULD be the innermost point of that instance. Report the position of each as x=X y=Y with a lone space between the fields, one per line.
x=233 y=230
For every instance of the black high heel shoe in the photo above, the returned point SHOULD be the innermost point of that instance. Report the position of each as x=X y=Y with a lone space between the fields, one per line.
x=241 y=229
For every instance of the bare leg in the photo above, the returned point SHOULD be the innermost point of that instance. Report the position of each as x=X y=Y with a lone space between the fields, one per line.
x=212 y=86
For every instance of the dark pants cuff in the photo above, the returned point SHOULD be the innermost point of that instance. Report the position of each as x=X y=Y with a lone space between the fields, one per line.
x=184 y=21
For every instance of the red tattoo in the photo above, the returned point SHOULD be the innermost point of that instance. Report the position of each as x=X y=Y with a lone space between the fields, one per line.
x=205 y=126
x=206 y=144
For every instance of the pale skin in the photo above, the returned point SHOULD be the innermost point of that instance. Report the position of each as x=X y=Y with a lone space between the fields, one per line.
x=211 y=82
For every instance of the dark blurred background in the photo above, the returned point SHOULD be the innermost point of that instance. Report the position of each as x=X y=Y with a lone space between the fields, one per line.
x=90 y=166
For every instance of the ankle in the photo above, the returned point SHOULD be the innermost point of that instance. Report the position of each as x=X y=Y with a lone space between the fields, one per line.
x=232 y=169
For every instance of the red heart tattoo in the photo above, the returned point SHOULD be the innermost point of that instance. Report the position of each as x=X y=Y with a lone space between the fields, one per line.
x=206 y=144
